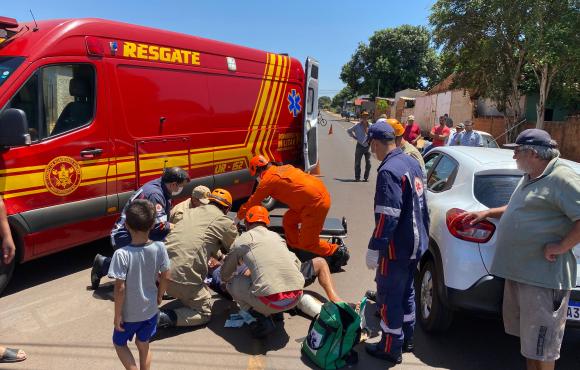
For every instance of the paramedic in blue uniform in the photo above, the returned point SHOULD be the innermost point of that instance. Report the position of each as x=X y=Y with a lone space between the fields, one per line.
x=399 y=239
x=158 y=192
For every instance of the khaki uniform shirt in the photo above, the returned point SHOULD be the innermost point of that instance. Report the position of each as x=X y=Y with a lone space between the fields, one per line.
x=540 y=211
x=178 y=210
x=201 y=233
x=410 y=149
x=274 y=269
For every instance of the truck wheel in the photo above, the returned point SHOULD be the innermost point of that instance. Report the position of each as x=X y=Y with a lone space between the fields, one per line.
x=433 y=315
x=6 y=272
x=269 y=203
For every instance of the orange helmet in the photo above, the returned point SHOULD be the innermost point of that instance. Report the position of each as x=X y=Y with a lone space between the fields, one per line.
x=257 y=214
x=221 y=196
x=396 y=125
x=257 y=162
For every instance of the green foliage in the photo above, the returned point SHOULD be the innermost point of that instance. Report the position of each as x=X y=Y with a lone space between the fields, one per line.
x=381 y=106
x=399 y=58
x=324 y=102
x=343 y=95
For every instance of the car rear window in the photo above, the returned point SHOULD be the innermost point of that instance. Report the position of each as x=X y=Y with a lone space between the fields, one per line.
x=495 y=190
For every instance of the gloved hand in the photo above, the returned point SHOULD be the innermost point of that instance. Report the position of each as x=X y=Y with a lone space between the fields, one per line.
x=372 y=259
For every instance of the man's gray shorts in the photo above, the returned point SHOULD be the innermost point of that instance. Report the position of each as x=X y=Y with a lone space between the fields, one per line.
x=536 y=315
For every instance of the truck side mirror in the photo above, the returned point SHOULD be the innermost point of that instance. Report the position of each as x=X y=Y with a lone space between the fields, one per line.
x=13 y=128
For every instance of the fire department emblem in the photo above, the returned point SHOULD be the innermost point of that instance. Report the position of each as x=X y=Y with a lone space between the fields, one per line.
x=62 y=176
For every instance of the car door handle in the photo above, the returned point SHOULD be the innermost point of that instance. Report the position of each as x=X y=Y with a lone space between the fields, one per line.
x=91 y=152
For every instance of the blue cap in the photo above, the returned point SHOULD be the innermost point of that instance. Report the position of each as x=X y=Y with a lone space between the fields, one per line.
x=533 y=136
x=381 y=131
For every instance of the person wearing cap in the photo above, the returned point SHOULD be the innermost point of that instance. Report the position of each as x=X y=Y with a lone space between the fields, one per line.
x=412 y=131
x=405 y=146
x=536 y=233
x=308 y=201
x=159 y=192
x=469 y=137
x=454 y=136
x=201 y=233
x=399 y=239
x=199 y=196
x=359 y=133
x=262 y=275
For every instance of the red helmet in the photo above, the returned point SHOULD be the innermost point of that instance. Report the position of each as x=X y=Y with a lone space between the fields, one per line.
x=257 y=214
x=257 y=162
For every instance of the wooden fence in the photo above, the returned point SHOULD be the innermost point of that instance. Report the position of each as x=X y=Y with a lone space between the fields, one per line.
x=566 y=133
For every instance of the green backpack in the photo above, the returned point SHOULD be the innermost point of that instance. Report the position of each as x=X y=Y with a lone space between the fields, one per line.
x=332 y=335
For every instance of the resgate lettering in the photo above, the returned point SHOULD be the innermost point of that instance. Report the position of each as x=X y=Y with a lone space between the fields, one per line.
x=160 y=53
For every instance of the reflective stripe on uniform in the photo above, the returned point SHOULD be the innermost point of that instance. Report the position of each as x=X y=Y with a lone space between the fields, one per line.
x=389 y=211
x=388 y=330
x=409 y=318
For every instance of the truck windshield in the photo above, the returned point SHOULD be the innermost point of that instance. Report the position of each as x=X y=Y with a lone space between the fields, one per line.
x=7 y=66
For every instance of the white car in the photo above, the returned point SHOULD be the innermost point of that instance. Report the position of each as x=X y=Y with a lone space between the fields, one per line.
x=486 y=138
x=454 y=273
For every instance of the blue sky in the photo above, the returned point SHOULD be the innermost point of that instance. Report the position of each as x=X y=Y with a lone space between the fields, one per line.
x=327 y=30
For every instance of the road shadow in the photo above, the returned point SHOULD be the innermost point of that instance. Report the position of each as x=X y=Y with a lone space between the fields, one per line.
x=347 y=180
x=56 y=266
x=240 y=338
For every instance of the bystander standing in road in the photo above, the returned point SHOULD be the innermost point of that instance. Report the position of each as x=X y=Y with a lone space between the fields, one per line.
x=454 y=136
x=398 y=241
x=439 y=133
x=536 y=233
x=136 y=268
x=8 y=252
x=469 y=137
x=359 y=133
x=412 y=131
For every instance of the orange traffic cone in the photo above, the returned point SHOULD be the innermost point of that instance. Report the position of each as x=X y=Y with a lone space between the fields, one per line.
x=330 y=130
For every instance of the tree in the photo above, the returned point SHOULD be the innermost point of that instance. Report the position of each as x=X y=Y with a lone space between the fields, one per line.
x=394 y=59
x=552 y=31
x=484 y=39
x=343 y=95
x=324 y=102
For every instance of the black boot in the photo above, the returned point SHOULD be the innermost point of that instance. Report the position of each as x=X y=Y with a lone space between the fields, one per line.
x=408 y=345
x=339 y=258
x=166 y=319
x=371 y=294
x=263 y=325
x=376 y=351
x=97 y=271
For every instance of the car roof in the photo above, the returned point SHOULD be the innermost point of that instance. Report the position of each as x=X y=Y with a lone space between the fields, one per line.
x=480 y=157
x=485 y=158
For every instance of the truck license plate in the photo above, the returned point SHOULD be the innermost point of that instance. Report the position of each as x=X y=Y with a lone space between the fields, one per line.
x=573 y=310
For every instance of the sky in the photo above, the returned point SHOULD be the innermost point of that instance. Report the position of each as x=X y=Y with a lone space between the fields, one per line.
x=327 y=30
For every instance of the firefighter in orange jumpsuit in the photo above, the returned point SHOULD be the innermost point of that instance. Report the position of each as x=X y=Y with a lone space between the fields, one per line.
x=308 y=202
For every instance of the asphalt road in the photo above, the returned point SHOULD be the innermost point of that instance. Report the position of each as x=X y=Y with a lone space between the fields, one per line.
x=49 y=312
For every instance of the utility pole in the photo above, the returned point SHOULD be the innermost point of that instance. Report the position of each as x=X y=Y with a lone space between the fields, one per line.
x=378 y=87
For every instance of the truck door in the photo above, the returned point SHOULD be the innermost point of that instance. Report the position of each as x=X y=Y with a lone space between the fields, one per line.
x=310 y=139
x=58 y=184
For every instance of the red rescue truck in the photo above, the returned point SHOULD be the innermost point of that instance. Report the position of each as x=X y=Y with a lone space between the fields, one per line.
x=92 y=109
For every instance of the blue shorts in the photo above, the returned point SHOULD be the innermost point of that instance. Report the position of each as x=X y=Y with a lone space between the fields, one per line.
x=144 y=330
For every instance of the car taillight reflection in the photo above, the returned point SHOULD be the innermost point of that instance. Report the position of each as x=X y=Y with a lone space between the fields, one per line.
x=461 y=229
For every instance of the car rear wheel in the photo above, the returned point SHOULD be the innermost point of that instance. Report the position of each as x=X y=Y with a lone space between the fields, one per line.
x=434 y=316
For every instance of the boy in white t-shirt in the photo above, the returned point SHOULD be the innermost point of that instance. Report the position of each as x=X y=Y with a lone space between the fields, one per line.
x=135 y=269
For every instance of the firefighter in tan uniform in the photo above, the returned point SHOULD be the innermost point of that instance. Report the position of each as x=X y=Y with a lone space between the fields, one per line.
x=262 y=275
x=202 y=232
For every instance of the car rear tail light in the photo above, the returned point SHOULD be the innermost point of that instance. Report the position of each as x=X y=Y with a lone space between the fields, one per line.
x=461 y=229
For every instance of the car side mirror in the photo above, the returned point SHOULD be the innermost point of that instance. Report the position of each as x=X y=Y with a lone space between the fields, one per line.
x=13 y=128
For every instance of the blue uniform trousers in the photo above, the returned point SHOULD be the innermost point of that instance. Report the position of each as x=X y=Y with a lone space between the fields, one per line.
x=396 y=300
